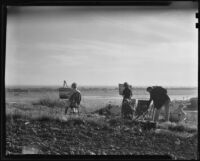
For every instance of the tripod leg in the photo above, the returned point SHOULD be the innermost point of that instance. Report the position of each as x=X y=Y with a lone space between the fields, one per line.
x=144 y=115
x=78 y=112
x=149 y=113
x=66 y=109
x=137 y=117
x=153 y=113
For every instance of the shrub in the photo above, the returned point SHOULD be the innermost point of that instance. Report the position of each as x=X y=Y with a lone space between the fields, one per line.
x=193 y=103
x=178 y=127
x=13 y=116
x=50 y=102
x=42 y=119
x=181 y=127
x=114 y=122
x=173 y=118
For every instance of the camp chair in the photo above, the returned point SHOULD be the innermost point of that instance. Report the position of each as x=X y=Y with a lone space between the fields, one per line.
x=143 y=111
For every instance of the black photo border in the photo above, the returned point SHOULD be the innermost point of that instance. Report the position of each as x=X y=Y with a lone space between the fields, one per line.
x=3 y=22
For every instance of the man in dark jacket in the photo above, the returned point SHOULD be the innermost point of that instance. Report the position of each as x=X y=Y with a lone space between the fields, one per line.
x=160 y=99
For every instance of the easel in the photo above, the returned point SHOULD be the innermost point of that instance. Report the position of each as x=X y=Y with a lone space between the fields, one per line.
x=144 y=112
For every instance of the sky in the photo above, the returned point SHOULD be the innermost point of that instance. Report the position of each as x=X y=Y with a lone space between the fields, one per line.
x=102 y=46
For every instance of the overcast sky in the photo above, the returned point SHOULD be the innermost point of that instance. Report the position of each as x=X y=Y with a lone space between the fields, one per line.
x=101 y=46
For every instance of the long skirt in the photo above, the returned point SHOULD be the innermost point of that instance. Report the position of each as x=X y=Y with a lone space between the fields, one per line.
x=126 y=111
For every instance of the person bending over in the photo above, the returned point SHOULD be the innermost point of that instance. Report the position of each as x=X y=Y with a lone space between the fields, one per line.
x=160 y=99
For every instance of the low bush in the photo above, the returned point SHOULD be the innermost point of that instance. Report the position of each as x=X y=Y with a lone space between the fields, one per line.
x=14 y=116
x=178 y=127
x=181 y=127
x=51 y=102
x=173 y=118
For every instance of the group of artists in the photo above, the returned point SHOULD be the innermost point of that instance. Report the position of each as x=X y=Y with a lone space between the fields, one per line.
x=157 y=94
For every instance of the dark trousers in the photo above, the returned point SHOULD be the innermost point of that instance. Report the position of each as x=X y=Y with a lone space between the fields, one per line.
x=167 y=111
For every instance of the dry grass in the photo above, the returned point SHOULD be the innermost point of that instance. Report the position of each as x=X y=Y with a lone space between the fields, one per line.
x=49 y=106
x=51 y=102
x=178 y=127
x=54 y=109
x=34 y=111
x=48 y=114
x=40 y=121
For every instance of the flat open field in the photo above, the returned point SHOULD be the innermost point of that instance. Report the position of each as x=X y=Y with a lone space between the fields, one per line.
x=38 y=115
x=92 y=97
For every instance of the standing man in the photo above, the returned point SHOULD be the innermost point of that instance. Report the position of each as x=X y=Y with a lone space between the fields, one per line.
x=160 y=99
x=75 y=98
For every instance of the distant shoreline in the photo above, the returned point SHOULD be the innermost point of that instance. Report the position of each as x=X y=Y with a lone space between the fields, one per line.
x=86 y=87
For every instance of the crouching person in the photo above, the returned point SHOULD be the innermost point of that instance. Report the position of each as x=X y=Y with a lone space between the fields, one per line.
x=75 y=99
x=160 y=99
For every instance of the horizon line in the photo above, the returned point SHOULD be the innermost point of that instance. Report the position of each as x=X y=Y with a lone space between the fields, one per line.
x=140 y=86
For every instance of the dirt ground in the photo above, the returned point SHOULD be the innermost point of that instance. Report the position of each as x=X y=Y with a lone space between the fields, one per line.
x=93 y=135
x=43 y=129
